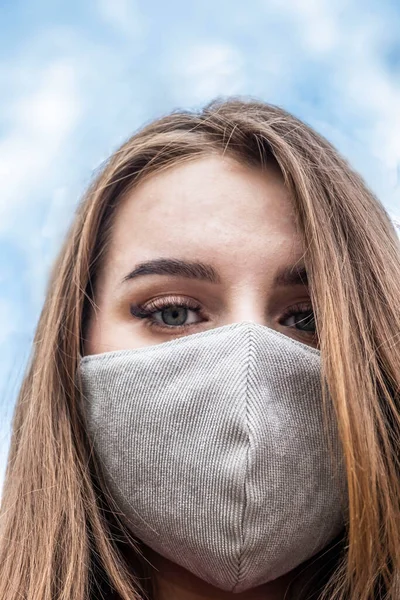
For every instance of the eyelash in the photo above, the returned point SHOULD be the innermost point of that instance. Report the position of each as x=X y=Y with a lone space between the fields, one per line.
x=141 y=311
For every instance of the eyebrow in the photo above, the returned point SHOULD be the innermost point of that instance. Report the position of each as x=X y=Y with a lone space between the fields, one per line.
x=288 y=276
x=294 y=275
x=177 y=267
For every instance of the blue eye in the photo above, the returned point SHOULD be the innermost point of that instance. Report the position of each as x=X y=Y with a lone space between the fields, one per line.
x=300 y=318
x=167 y=313
x=174 y=315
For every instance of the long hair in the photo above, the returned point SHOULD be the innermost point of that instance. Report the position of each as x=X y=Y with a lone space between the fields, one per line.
x=61 y=536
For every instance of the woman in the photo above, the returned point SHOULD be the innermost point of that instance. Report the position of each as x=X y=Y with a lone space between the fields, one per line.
x=212 y=403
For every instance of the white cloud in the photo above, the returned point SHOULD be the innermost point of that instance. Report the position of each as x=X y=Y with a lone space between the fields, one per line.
x=46 y=242
x=315 y=20
x=206 y=70
x=42 y=122
x=8 y=318
x=396 y=222
x=344 y=43
x=124 y=16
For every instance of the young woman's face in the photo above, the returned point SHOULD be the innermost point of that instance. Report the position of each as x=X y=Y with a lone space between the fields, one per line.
x=201 y=245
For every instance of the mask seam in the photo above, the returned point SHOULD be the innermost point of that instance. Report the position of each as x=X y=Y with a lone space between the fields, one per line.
x=241 y=553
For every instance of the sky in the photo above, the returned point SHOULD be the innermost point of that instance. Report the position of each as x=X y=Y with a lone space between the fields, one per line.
x=78 y=78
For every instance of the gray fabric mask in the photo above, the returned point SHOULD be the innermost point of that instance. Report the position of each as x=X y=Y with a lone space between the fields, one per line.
x=215 y=450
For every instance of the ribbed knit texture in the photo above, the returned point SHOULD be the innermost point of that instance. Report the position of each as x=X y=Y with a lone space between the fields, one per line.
x=215 y=449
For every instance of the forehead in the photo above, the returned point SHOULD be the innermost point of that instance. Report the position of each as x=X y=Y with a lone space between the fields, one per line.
x=213 y=206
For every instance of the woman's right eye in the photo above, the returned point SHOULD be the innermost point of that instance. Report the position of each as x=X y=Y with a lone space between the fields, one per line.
x=168 y=314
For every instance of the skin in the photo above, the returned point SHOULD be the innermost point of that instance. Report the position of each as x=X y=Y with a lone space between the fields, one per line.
x=239 y=220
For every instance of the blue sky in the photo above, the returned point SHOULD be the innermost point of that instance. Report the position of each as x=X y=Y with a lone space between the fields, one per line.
x=78 y=78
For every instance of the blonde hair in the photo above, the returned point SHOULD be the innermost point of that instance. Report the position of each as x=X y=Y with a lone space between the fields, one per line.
x=59 y=528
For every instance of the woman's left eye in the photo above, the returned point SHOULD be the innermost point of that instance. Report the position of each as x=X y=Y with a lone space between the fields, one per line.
x=302 y=320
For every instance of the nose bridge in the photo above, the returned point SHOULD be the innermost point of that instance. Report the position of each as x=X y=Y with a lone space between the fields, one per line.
x=247 y=303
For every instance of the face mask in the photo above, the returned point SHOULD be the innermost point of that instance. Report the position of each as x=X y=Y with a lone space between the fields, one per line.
x=215 y=450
